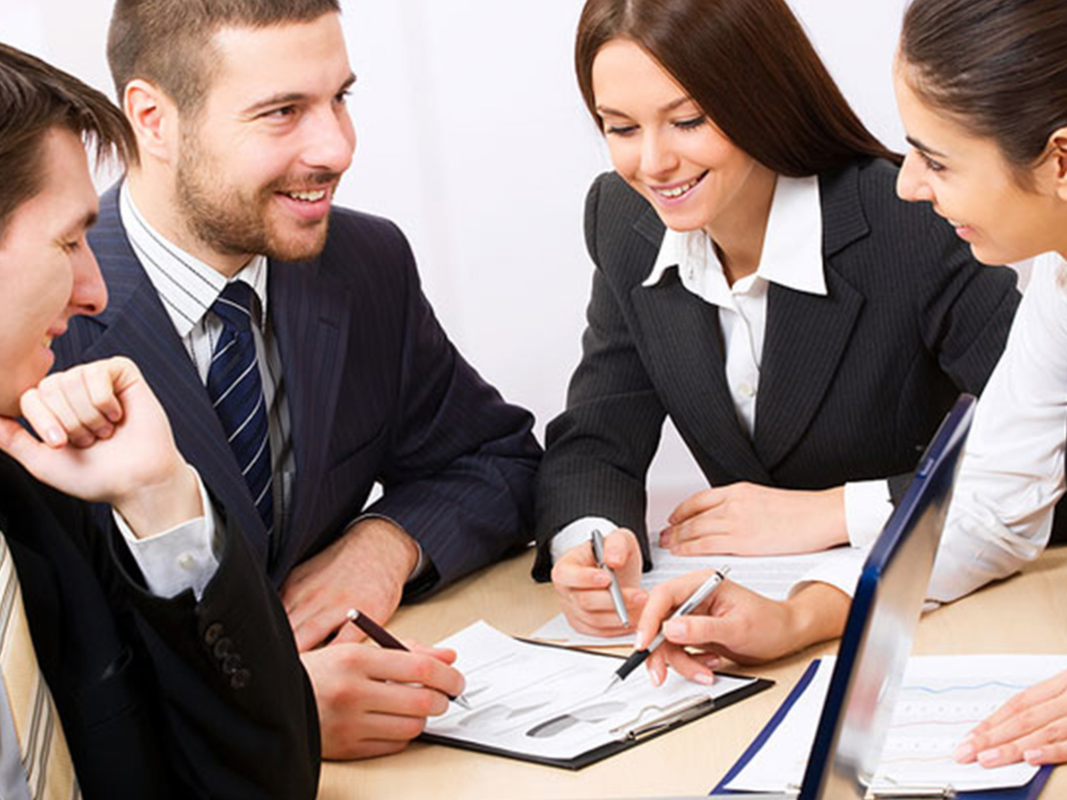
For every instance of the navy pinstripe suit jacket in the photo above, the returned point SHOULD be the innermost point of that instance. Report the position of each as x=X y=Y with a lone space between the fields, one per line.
x=376 y=392
x=852 y=384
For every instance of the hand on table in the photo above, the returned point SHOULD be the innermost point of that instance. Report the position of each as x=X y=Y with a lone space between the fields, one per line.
x=748 y=519
x=735 y=623
x=105 y=438
x=371 y=701
x=1031 y=727
x=364 y=569
x=583 y=587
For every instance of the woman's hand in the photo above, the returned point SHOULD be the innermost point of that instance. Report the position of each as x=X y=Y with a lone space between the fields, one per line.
x=583 y=587
x=747 y=519
x=735 y=623
x=1031 y=727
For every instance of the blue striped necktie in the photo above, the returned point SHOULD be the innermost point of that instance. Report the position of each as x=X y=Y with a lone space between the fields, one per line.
x=236 y=390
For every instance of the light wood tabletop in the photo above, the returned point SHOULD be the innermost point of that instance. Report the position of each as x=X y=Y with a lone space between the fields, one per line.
x=1025 y=614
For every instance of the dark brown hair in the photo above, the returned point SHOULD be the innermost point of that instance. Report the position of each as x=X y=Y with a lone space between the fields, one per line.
x=169 y=42
x=749 y=66
x=35 y=97
x=999 y=66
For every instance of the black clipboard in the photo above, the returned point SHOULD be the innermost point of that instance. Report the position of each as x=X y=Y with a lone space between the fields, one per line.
x=645 y=732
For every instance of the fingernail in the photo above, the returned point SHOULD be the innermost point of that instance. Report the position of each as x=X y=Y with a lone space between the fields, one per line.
x=1034 y=757
x=53 y=437
x=965 y=752
x=640 y=641
x=674 y=628
x=658 y=677
x=989 y=757
x=704 y=678
x=641 y=597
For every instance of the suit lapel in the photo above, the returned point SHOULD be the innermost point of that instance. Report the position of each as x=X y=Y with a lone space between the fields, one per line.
x=138 y=326
x=807 y=334
x=685 y=356
x=309 y=314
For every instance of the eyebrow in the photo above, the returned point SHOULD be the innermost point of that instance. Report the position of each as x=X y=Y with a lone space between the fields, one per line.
x=287 y=98
x=83 y=224
x=681 y=101
x=920 y=146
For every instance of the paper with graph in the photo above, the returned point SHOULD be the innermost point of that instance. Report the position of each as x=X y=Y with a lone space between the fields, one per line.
x=941 y=700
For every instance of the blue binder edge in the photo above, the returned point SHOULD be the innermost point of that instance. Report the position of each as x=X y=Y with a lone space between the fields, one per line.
x=1028 y=792
x=768 y=729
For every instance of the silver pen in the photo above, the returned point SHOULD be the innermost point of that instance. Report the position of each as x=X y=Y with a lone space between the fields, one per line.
x=638 y=657
x=613 y=588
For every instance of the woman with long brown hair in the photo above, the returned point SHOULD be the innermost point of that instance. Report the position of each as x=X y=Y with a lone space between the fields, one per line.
x=757 y=280
x=982 y=90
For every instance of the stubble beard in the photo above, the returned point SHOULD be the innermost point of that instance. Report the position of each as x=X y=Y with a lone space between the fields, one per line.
x=230 y=222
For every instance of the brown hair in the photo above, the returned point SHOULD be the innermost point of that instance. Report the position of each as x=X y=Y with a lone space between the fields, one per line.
x=1000 y=66
x=750 y=68
x=35 y=97
x=169 y=42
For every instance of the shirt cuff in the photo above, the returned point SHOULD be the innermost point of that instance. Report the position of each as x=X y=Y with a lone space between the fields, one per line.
x=868 y=506
x=840 y=569
x=577 y=532
x=183 y=557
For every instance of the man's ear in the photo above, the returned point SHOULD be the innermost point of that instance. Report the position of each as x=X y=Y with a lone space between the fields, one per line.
x=154 y=118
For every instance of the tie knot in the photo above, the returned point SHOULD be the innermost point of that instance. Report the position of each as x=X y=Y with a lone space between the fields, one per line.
x=234 y=306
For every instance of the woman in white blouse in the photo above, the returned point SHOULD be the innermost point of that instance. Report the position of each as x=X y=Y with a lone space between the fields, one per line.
x=982 y=90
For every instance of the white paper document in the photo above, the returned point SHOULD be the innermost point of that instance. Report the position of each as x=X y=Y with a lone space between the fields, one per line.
x=941 y=700
x=771 y=576
x=539 y=702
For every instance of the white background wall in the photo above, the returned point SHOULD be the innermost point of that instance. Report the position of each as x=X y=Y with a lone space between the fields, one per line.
x=473 y=137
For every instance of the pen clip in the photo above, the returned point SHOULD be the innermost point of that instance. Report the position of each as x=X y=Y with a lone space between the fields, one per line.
x=676 y=713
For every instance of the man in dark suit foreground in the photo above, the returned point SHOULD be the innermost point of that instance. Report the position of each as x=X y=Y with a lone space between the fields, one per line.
x=242 y=136
x=170 y=679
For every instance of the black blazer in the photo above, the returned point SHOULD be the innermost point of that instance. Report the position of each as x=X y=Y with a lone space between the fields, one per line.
x=159 y=698
x=852 y=385
x=376 y=392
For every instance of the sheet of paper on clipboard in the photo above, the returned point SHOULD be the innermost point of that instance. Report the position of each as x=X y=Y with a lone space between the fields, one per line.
x=547 y=704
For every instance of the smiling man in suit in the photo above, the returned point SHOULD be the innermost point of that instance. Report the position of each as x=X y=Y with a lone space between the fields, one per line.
x=132 y=665
x=293 y=349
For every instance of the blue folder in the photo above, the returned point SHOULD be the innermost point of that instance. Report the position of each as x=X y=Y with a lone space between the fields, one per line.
x=1028 y=792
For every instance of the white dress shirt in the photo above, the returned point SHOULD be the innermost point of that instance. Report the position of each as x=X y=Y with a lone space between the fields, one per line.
x=792 y=258
x=1012 y=473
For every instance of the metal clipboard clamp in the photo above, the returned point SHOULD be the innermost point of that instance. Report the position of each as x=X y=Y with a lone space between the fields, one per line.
x=652 y=719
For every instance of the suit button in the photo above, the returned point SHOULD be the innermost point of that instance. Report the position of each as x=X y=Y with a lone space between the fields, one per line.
x=223 y=647
x=241 y=678
x=231 y=664
x=212 y=633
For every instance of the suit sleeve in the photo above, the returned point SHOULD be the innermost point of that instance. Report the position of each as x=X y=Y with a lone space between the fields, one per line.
x=460 y=473
x=599 y=449
x=965 y=312
x=238 y=712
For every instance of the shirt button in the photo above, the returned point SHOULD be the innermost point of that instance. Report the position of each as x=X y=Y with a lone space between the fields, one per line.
x=746 y=389
x=186 y=561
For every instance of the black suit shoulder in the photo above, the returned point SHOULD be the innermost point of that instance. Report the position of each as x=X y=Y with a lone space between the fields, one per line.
x=150 y=705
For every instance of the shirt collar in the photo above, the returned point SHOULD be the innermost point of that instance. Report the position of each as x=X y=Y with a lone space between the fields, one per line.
x=186 y=285
x=792 y=248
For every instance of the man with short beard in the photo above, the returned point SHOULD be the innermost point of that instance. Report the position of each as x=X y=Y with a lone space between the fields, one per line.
x=293 y=349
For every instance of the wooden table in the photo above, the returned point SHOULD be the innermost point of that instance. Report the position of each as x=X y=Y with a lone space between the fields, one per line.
x=1026 y=614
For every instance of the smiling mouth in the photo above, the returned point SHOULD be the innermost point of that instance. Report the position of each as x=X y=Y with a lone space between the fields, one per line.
x=306 y=197
x=678 y=190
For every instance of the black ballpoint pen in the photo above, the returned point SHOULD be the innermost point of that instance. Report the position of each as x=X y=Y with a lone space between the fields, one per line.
x=638 y=657
x=385 y=639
